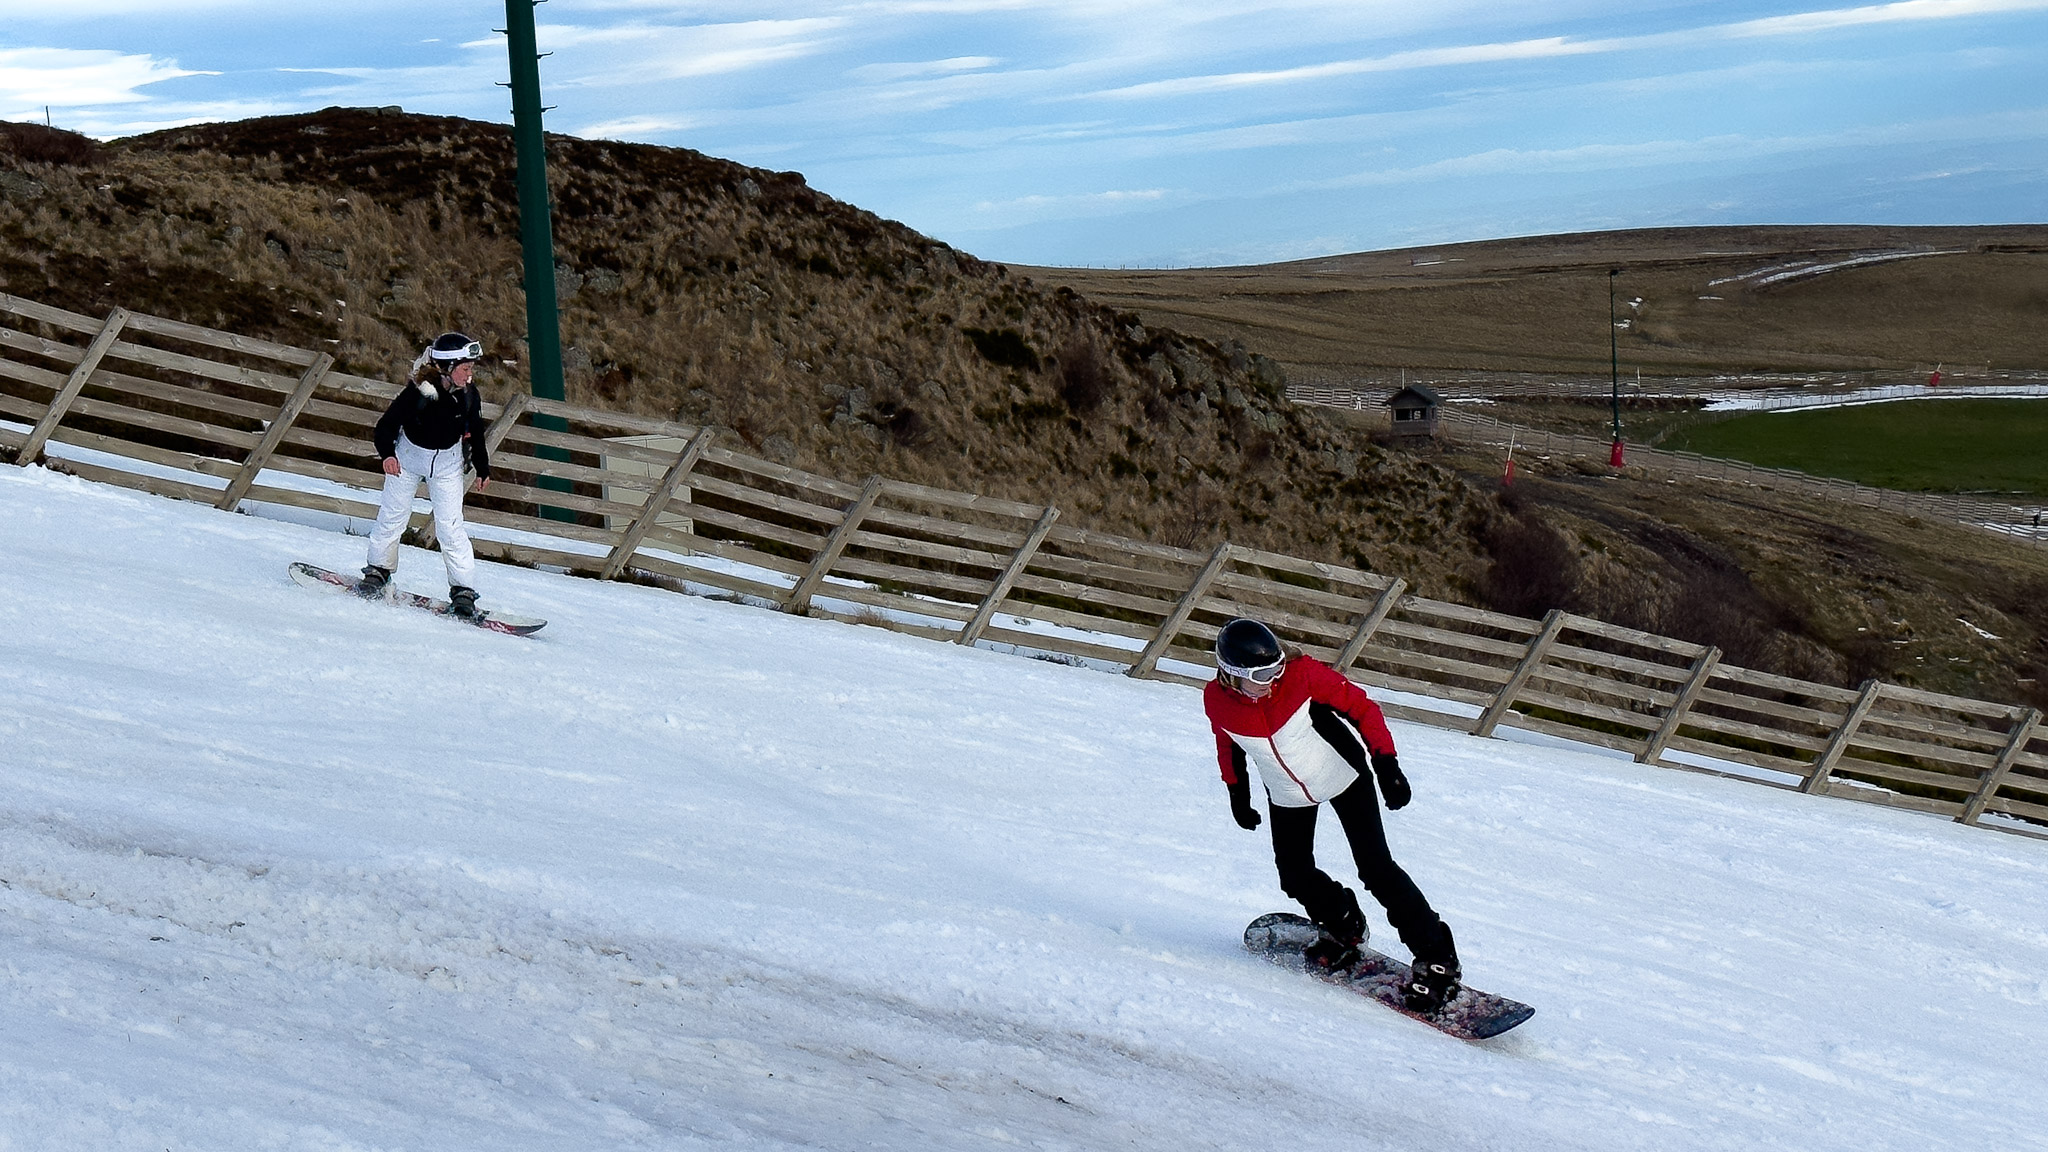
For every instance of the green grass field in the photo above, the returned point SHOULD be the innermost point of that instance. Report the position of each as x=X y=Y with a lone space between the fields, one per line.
x=1916 y=446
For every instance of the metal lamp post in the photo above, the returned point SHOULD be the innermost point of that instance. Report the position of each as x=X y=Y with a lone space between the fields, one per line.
x=536 y=232
x=1614 y=366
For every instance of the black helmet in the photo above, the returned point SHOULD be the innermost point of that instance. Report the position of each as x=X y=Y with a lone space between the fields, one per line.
x=452 y=348
x=1248 y=650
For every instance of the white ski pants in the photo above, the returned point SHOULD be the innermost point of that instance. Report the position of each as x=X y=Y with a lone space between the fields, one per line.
x=446 y=482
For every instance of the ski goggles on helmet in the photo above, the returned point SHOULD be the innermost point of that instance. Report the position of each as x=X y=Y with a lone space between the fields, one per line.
x=474 y=350
x=1263 y=675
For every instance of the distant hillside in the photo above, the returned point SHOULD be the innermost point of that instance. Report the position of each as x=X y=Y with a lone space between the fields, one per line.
x=699 y=289
x=1757 y=299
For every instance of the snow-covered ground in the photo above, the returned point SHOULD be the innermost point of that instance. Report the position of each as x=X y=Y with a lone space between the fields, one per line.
x=1761 y=400
x=285 y=870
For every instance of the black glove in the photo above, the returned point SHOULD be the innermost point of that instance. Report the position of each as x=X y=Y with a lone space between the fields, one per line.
x=1241 y=809
x=1393 y=785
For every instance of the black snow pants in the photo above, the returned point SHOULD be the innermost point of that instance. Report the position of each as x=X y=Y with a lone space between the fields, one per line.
x=1323 y=898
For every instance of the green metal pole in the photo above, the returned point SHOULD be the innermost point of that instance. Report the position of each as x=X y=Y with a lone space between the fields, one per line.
x=536 y=233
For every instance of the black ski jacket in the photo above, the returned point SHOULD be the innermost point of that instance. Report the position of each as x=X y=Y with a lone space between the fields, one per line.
x=449 y=417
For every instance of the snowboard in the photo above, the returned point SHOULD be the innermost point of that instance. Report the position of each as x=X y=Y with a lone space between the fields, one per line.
x=313 y=577
x=1471 y=1015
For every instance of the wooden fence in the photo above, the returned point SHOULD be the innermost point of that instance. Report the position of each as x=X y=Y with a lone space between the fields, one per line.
x=196 y=414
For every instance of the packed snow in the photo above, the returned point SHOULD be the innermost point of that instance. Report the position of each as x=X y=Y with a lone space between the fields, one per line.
x=1785 y=400
x=1806 y=269
x=287 y=870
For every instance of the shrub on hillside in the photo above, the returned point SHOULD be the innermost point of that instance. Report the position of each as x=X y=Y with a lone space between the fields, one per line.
x=1003 y=347
x=1084 y=378
x=38 y=144
x=1533 y=568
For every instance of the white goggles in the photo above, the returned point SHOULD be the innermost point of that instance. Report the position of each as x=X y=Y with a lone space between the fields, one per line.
x=1264 y=675
x=473 y=350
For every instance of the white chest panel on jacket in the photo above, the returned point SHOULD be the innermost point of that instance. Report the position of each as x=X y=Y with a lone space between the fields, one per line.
x=1298 y=766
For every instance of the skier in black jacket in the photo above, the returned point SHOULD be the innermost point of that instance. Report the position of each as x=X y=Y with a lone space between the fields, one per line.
x=433 y=431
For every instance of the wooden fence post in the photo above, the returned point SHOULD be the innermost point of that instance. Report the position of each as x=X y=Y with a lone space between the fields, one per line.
x=2021 y=733
x=1702 y=670
x=274 y=435
x=1553 y=623
x=506 y=421
x=1817 y=781
x=657 y=501
x=1015 y=568
x=1389 y=596
x=32 y=449
x=1170 y=627
x=800 y=596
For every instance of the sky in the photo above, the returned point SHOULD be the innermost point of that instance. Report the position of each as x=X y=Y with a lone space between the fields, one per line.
x=1166 y=132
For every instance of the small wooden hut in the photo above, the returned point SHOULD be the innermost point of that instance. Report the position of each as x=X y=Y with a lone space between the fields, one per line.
x=1415 y=410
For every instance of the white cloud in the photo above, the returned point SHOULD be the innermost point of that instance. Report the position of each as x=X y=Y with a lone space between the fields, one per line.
x=1798 y=24
x=885 y=73
x=42 y=11
x=1114 y=196
x=1802 y=23
x=1027 y=209
x=625 y=54
x=155 y=116
x=633 y=128
x=71 y=78
x=1701 y=153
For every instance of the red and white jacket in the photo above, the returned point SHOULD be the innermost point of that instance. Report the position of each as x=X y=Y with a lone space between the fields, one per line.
x=1294 y=736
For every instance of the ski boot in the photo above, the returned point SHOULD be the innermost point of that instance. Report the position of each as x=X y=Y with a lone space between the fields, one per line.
x=1433 y=979
x=462 y=602
x=373 y=583
x=1342 y=935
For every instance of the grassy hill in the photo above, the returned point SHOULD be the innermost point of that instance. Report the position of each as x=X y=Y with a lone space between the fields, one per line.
x=1930 y=445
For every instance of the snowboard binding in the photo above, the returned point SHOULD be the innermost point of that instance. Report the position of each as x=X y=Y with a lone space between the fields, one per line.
x=1336 y=947
x=1431 y=985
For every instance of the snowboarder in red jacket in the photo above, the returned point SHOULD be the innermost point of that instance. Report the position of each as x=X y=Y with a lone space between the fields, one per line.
x=1313 y=735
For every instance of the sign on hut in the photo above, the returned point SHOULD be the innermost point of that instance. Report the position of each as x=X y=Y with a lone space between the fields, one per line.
x=1415 y=410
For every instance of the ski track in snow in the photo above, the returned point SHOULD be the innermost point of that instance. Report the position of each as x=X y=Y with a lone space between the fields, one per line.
x=280 y=870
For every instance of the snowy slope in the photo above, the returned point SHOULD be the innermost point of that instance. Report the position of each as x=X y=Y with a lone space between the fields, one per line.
x=283 y=870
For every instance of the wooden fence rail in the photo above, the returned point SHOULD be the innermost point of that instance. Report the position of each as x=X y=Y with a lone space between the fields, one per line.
x=195 y=414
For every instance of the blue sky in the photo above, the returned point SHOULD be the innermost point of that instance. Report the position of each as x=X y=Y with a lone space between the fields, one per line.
x=1167 y=133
